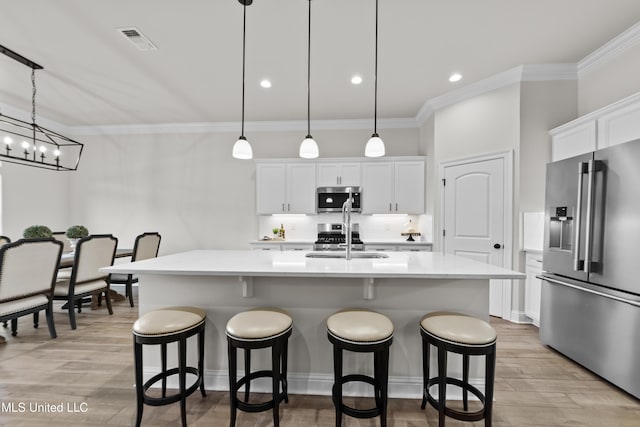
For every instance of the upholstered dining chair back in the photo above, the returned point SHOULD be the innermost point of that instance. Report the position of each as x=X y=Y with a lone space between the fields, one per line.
x=4 y=240
x=28 y=267
x=62 y=237
x=146 y=246
x=92 y=253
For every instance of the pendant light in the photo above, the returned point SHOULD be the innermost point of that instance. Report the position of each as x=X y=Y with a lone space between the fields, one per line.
x=242 y=148
x=375 y=145
x=308 y=147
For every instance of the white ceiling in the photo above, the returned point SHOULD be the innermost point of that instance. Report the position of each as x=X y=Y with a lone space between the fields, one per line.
x=93 y=76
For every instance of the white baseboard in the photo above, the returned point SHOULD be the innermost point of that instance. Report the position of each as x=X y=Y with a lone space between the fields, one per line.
x=519 y=317
x=320 y=385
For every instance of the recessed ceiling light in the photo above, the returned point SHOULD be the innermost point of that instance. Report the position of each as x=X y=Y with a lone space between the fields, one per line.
x=265 y=83
x=356 y=80
x=455 y=77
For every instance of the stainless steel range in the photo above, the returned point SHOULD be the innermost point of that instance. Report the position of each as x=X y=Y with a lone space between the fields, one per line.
x=331 y=238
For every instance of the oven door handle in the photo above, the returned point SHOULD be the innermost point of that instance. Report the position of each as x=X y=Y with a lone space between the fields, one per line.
x=589 y=291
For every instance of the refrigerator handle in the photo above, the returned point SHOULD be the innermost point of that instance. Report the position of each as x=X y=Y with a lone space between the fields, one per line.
x=589 y=217
x=578 y=219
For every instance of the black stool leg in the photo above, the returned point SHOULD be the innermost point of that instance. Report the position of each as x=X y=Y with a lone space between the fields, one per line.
x=425 y=371
x=182 y=378
x=247 y=372
x=490 y=370
x=465 y=379
x=382 y=378
x=276 y=354
x=233 y=404
x=442 y=384
x=137 y=350
x=163 y=361
x=201 y=361
x=337 y=383
x=285 y=385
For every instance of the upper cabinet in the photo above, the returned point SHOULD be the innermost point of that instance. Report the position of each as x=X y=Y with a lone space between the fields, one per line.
x=611 y=125
x=342 y=174
x=285 y=188
x=393 y=187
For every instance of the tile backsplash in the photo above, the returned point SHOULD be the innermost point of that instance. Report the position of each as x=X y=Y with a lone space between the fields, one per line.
x=372 y=227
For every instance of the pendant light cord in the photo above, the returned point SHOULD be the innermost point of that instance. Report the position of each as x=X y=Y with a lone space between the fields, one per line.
x=309 y=75
x=244 y=31
x=375 y=80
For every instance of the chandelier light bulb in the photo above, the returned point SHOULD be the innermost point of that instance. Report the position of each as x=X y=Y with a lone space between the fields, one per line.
x=25 y=145
x=7 y=140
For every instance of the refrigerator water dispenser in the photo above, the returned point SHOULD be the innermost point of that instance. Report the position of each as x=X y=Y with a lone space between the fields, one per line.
x=560 y=229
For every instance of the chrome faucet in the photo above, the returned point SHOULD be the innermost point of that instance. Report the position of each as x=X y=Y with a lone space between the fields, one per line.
x=346 y=223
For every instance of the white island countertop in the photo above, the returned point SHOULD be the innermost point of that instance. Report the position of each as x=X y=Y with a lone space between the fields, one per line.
x=410 y=265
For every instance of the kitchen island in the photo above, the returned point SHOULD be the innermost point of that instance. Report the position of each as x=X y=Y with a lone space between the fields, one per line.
x=404 y=286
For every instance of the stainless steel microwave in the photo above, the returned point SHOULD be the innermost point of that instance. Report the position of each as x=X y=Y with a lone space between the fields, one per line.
x=331 y=199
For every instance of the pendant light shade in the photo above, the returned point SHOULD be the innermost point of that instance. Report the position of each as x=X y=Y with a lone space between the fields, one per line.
x=375 y=145
x=309 y=147
x=242 y=148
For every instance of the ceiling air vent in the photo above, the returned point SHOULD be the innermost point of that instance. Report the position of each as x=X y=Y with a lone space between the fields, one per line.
x=138 y=39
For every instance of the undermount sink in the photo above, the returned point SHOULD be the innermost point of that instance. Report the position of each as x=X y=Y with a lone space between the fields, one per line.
x=360 y=255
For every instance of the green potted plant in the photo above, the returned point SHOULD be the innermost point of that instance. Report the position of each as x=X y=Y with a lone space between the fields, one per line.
x=37 y=232
x=276 y=231
x=75 y=233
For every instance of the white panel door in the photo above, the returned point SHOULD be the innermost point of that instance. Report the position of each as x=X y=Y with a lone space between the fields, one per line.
x=474 y=217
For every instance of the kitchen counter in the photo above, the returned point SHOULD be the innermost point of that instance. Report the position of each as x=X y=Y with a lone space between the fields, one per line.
x=404 y=286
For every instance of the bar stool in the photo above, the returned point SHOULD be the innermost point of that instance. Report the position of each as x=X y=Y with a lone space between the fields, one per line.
x=361 y=331
x=163 y=326
x=468 y=336
x=255 y=329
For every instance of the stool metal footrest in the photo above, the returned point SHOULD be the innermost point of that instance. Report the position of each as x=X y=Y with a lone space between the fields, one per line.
x=359 y=413
x=264 y=406
x=158 y=401
x=453 y=413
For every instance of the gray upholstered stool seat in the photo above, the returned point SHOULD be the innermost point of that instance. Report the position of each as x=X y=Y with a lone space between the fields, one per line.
x=163 y=326
x=360 y=326
x=361 y=331
x=465 y=335
x=259 y=324
x=251 y=330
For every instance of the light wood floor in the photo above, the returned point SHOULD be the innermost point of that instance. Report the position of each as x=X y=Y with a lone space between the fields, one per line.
x=93 y=366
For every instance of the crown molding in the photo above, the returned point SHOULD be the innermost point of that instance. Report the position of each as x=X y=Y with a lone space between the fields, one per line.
x=522 y=73
x=23 y=115
x=234 y=127
x=610 y=50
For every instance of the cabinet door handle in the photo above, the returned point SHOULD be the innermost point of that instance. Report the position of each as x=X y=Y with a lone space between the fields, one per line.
x=390 y=207
x=396 y=207
x=289 y=207
x=283 y=207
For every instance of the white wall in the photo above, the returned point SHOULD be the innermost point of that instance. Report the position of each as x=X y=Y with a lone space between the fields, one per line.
x=188 y=187
x=611 y=81
x=33 y=196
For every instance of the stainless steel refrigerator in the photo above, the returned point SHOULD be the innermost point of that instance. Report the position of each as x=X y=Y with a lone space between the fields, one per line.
x=590 y=307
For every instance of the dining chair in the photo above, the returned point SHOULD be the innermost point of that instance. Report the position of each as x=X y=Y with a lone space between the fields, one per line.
x=146 y=246
x=91 y=253
x=27 y=275
x=62 y=236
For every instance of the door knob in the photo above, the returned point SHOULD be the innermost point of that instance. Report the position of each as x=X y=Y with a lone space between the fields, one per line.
x=497 y=246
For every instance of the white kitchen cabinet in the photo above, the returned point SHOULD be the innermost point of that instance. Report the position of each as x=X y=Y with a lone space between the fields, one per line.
x=393 y=187
x=533 y=286
x=282 y=246
x=342 y=174
x=285 y=188
x=377 y=187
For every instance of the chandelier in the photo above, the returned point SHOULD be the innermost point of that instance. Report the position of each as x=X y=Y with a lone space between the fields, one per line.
x=33 y=145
